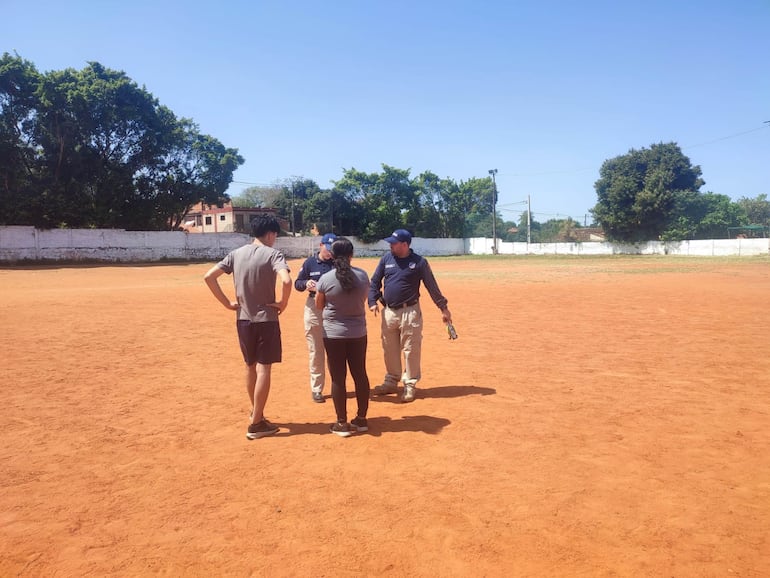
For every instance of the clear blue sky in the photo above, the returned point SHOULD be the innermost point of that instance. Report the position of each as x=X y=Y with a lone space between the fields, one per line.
x=543 y=90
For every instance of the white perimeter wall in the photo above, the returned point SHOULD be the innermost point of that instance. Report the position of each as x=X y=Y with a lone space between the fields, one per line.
x=708 y=248
x=27 y=243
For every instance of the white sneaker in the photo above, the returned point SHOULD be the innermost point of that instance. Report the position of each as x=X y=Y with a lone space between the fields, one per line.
x=385 y=389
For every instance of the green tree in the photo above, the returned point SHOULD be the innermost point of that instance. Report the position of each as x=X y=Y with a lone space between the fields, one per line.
x=259 y=196
x=97 y=130
x=445 y=205
x=292 y=203
x=18 y=158
x=453 y=206
x=702 y=216
x=557 y=231
x=197 y=168
x=426 y=214
x=521 y=235
x=637 y=191
x=381 y=196
x=757 y=210
x=96 y=150
x=476 y=202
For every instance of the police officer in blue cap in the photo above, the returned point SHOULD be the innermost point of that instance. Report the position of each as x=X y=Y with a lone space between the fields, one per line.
x=308 y=276
x=401 y=271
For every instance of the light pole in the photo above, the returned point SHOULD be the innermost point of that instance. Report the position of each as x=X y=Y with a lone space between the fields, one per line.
x=292 y=209
x=529 y=223
x=493 y=172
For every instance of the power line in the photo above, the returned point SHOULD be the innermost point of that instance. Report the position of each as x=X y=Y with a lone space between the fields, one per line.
x=545 y=173
x=254 y=184
x=737 y=134
x=765 y=124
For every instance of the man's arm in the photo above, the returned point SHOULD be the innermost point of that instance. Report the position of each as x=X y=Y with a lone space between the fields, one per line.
x=285 y=290
x=429 y=280
x=302 y=277
x=374 y=287
x=212 y=282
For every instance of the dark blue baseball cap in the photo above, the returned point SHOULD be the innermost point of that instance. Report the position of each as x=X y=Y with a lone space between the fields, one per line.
x=400 y=236
x=328 y=239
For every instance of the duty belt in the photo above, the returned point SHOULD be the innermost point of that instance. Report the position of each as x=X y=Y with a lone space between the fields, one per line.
x=402 y=305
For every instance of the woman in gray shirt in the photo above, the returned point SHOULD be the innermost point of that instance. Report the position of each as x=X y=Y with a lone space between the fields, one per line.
x=341 y=295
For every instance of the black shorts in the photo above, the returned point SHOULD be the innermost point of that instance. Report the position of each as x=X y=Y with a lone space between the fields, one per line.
x=260 y=342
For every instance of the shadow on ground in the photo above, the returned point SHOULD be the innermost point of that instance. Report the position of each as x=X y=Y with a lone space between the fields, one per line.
x=377 y=426
x=443 y=391
x=455 y=391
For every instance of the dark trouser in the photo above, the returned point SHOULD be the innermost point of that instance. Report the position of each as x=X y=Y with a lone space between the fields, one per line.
x=341 y=354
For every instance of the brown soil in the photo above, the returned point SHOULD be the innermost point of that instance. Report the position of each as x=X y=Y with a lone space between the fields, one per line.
x=596 y=417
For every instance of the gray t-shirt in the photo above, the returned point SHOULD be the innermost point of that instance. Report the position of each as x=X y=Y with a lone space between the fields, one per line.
x=345 y=313
x=254 y=268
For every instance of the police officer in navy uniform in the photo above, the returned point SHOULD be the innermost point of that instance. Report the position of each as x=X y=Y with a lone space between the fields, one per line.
x=308 y=276
x=401 y=271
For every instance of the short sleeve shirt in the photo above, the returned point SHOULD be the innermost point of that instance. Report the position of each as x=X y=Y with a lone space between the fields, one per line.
x=254 y=269
x=344 y=315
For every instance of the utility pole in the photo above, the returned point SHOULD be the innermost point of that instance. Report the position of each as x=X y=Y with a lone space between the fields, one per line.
x=292 y=208
x=493 y=172
x=529 y=222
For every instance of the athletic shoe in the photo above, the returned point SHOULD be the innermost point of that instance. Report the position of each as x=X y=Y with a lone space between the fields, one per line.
x=261 y=430
x=408 y=394
x=360 y=424
x=270 y=424
x=341 y=428
x=318 y=397
x=385 y=389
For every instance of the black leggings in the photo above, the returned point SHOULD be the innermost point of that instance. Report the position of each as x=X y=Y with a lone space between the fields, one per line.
x=341 y=354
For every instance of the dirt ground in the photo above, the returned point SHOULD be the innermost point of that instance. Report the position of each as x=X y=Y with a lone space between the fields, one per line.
x=597 y=417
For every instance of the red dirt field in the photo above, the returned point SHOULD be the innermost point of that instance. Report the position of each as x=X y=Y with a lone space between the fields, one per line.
x=597 y=417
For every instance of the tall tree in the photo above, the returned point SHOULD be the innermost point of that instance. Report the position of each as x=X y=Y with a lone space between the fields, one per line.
x=476 y=201
x=637 y=191
x=99 y=151
x=196 y=168
x=19 y=80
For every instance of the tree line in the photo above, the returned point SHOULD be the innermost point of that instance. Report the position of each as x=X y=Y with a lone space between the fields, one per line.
x=371 y=205
x=647 y=194
x=92 y=149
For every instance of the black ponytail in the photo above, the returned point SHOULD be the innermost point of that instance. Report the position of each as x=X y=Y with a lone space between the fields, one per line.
x=342 y=251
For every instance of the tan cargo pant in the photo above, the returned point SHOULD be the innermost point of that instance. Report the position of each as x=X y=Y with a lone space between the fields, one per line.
x=315 y=345
x=402 y=333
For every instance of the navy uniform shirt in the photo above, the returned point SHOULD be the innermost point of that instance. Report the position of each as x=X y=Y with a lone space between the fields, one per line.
x=402 y=281
x=311 y=270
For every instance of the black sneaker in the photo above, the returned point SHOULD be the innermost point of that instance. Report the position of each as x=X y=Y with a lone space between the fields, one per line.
x=261 y=430
x=270 y=424
x=318 y=397
x=360 y=425
x=341 y=428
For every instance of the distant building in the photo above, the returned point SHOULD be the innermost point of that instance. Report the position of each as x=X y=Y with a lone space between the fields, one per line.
x=584 y=234
x=225 y=219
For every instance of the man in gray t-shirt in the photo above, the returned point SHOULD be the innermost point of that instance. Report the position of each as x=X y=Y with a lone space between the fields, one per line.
x=255 y=268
